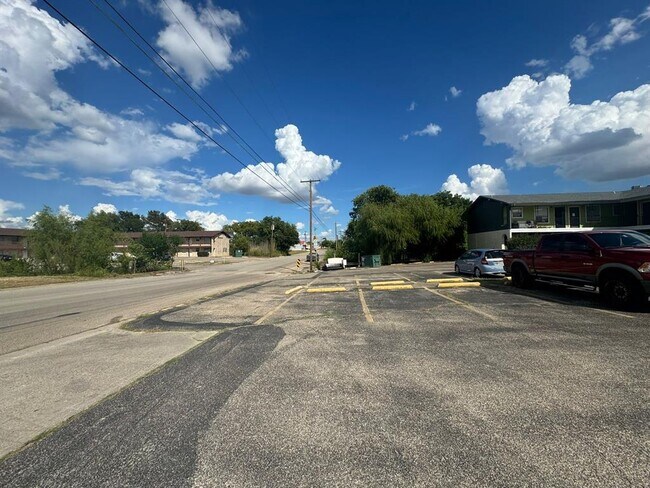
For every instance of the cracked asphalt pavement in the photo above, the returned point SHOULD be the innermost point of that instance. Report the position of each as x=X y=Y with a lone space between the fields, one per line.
x=422 y=387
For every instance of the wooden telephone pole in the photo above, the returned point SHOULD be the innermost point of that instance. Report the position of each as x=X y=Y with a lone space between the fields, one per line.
x=311 y=223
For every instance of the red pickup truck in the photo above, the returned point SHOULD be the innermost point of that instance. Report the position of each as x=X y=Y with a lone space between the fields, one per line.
x=617 y=262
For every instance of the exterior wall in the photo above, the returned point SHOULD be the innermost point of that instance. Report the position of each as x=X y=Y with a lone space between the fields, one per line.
x=487 y=216
x=221 y=246
x=627 y=215
x=493 y=239
x=14 y=245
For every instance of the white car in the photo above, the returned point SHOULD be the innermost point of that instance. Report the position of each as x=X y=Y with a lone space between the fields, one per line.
x=479 y=262
x=335 y=263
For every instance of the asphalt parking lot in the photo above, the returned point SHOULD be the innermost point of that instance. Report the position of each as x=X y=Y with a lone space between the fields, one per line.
x=406 y=384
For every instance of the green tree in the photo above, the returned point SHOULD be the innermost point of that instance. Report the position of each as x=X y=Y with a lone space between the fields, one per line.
x=258 y=233
x=156 y=221
x=93 y=242
x=186 y=225
x=130 y=222
x=159 y=247
x=50 y=242
x=239 y=242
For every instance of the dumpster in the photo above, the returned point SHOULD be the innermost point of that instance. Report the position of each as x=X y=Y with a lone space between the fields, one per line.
x=239 y=253
x=371 y=261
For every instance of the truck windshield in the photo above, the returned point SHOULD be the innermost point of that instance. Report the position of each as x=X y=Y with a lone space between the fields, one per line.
x=621 y=239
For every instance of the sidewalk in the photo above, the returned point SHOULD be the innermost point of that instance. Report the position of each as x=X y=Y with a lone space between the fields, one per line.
x=47 y=384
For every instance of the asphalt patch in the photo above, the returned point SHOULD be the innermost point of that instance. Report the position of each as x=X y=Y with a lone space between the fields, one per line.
x=147 y=434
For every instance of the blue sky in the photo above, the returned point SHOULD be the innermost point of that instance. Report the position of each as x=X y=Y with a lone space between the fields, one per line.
x=474 y=97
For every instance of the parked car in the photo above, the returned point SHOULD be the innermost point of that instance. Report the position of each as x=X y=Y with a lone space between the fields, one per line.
x=617 y=262
x=6 y=257
x=312 y=257
x=479 y=262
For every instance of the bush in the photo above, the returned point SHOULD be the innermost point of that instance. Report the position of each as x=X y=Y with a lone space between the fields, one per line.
x=523 y=241
x=16 y=267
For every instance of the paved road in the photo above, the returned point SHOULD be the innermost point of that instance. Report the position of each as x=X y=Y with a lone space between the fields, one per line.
x=35 y=315
x=420 y=387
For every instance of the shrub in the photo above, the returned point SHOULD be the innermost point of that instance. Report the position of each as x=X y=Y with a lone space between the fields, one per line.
x=523 y=241
x=16 y=267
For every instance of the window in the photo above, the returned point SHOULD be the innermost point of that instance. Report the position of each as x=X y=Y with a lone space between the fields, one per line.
x=593 y=213
x=551 y=243
x=494 y=254
x=576 y=243
x=617 y=210
x=541 y=215
x=517 y=213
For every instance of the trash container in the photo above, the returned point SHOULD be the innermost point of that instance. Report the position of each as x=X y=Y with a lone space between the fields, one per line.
x=371 y=261
x=239 y=253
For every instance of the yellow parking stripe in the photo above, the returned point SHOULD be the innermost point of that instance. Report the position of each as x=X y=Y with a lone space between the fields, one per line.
x=445 y=280
x=464 y=284
x=364 y=305
x=462 y=304
x=382 y=283
x=325 y=290
x=294 y=289
x=392 y=287
x=271 y=312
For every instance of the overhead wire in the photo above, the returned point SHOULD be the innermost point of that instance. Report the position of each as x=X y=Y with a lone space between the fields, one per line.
x=163 y=99
x=180 y=22
x=239 y=140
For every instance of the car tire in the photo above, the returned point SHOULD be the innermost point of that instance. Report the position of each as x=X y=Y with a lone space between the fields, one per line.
x=621 y=292
x=456 y=269
x=520 y=277
x=477 y=273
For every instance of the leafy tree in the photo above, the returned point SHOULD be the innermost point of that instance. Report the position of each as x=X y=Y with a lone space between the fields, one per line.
x=94 y=240
x=327 y=243
x=186 y=225
x=130 y=222
x=50 y=242
x=402 y=227
x=239 y=242
x=156 y=221
x=258 y=233
x=159 y=247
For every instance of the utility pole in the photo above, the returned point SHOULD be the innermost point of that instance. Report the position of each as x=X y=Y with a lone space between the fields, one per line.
x=336 y=241
x=271 y=246
x=311 y=223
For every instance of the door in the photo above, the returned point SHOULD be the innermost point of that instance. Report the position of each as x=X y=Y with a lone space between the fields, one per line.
x=579 y=259
x=560 y=217
x=574 y=216
x=548 y=253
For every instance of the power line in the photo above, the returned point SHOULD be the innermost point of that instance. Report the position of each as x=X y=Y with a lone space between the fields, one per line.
x=248 y=149
x=216 y=71
x=163 y=99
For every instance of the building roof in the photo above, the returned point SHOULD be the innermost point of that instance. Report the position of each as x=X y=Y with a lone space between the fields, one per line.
x=184 y=233
x=584 y=197
x=5 y=231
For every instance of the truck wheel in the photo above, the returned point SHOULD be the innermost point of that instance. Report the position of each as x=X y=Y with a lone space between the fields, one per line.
x=621 y=292
x=520 y=277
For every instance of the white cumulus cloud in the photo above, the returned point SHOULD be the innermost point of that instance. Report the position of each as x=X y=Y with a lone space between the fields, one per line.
x=411 y=107
x=484 y=180
x=455 y=92
x=537 y=63
x=602 y=141
x=104 y=207
x=208 y=220
x=300 y=225
x=7 y=219
x=211 y=27
x=150 y=183
x=299 y=164
x=34 y=47
x=430 y=130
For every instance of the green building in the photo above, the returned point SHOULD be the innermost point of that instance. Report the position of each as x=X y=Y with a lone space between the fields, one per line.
x=493 y=219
